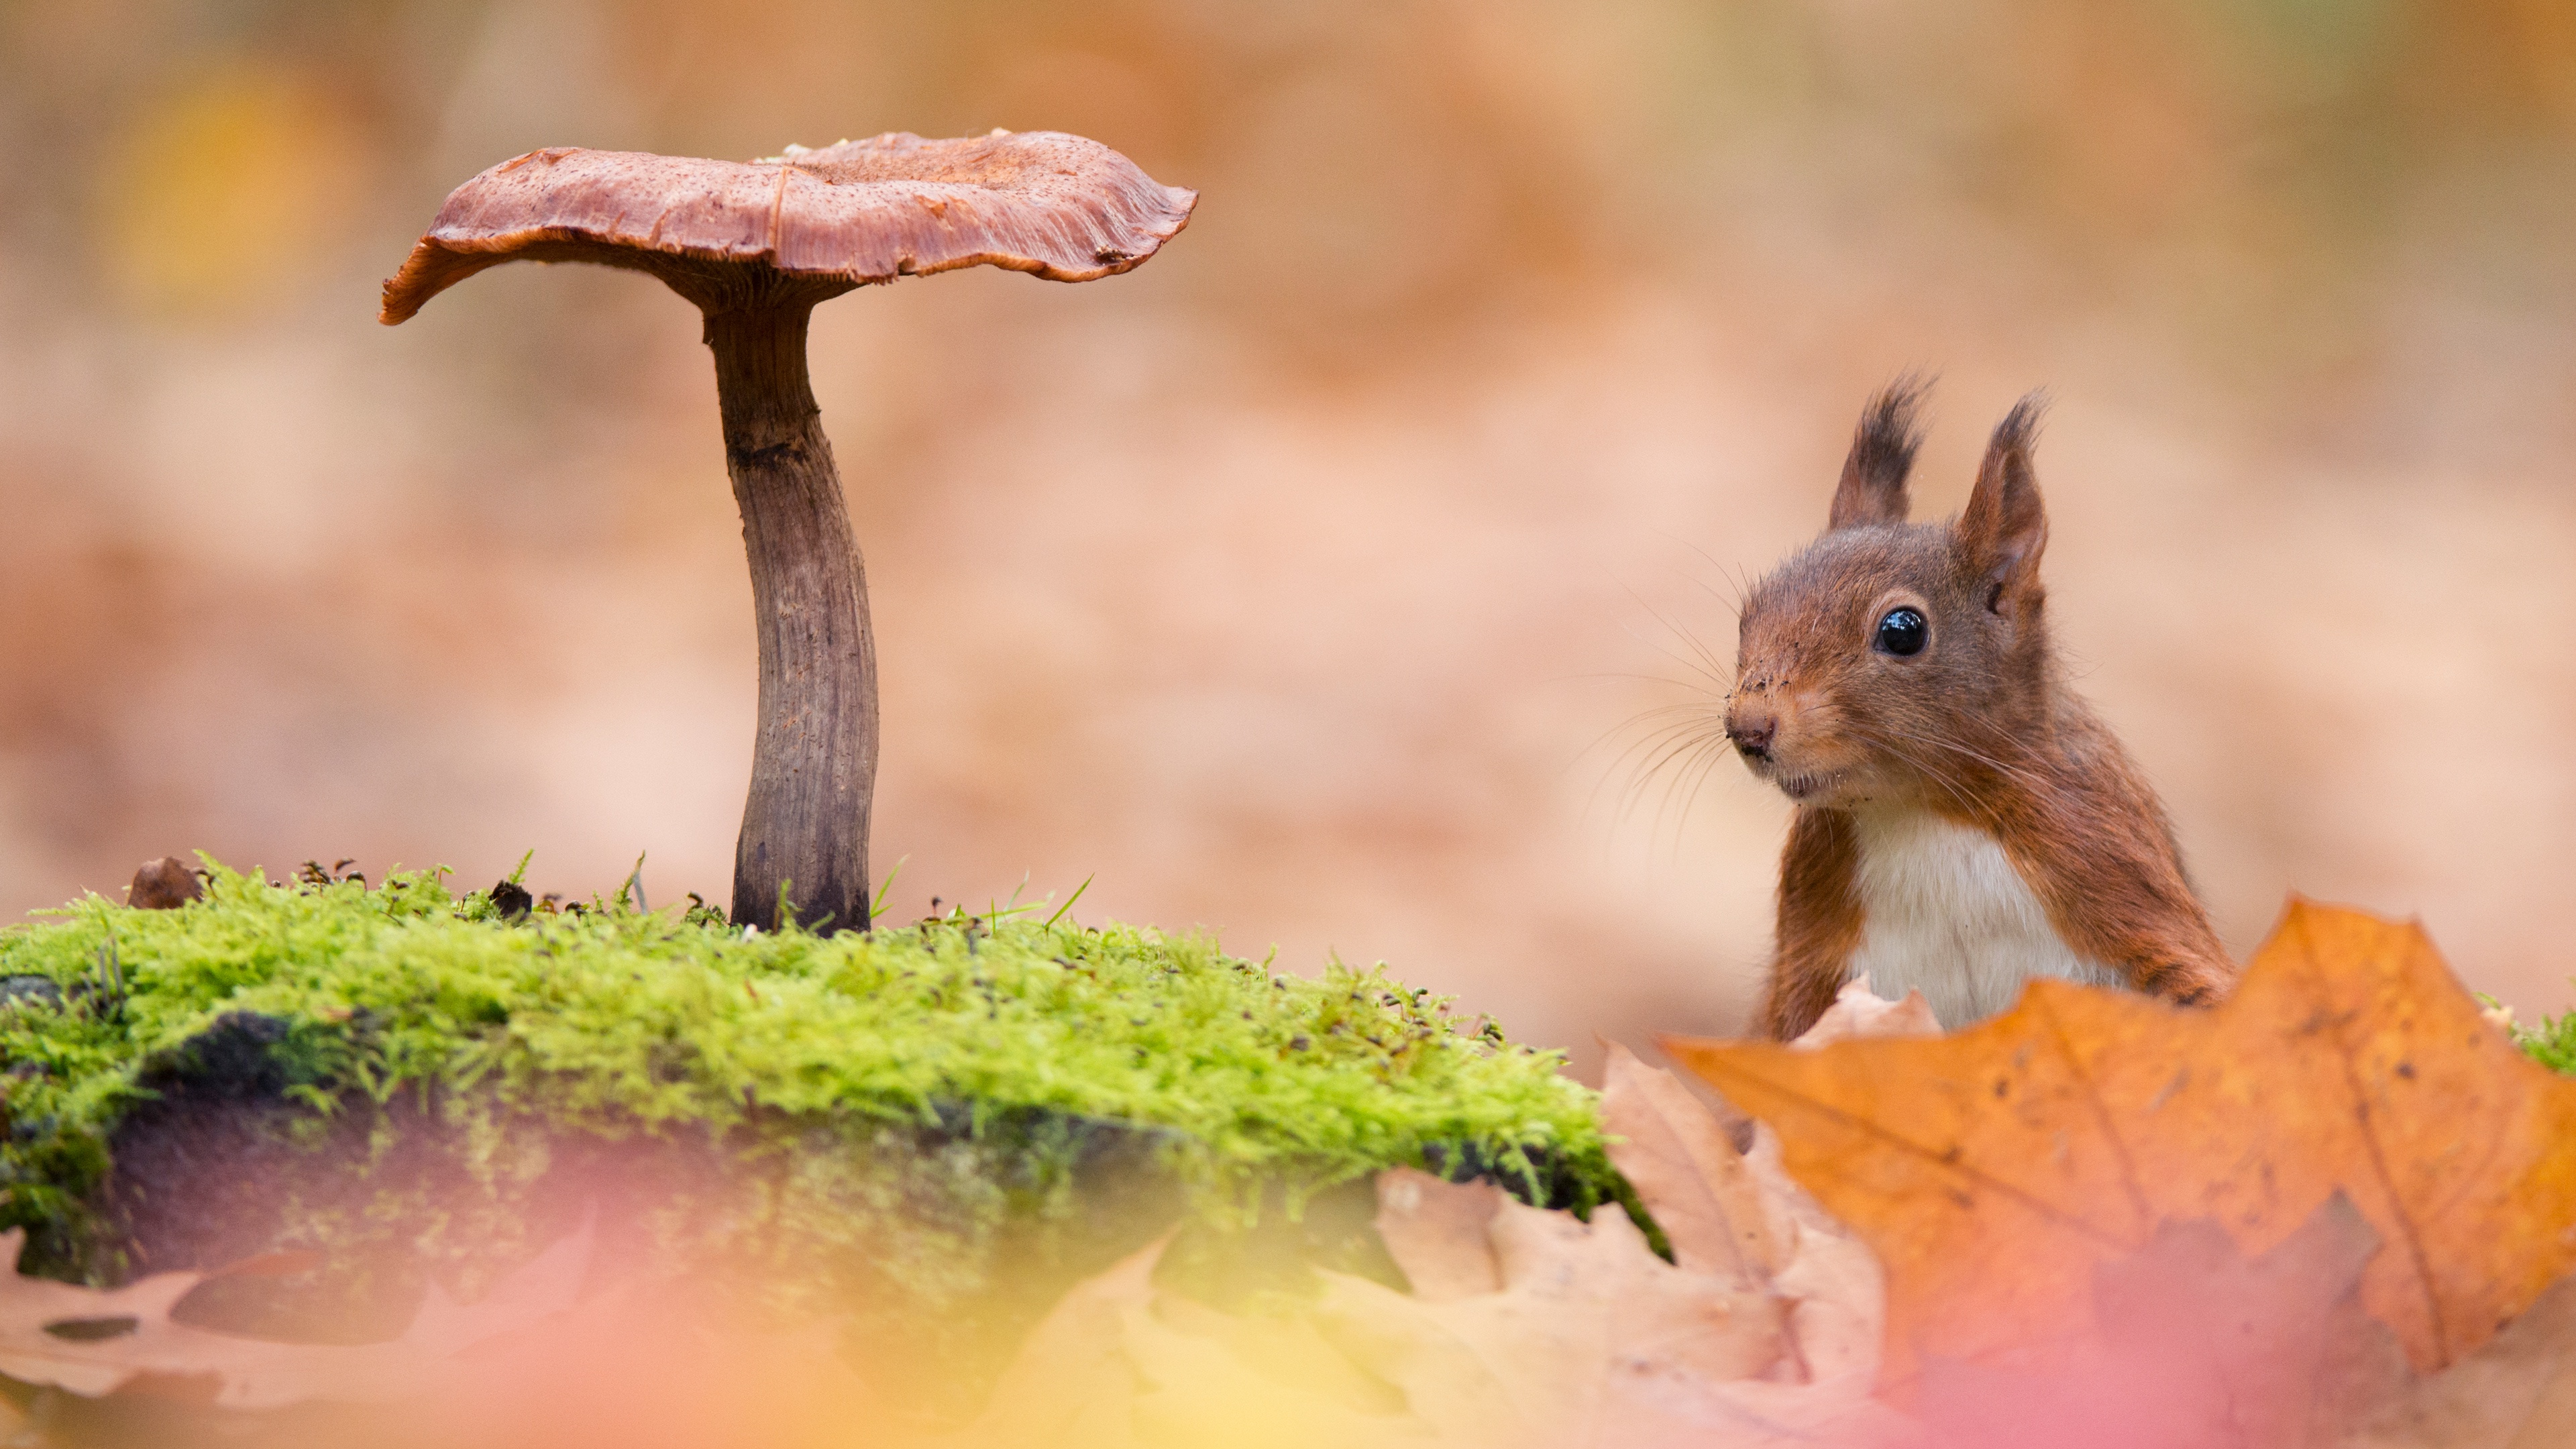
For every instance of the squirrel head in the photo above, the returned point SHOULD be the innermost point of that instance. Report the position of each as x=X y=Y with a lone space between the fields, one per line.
x=1890 y=659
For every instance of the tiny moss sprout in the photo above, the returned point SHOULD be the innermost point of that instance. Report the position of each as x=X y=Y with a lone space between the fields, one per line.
x=2552 y=1043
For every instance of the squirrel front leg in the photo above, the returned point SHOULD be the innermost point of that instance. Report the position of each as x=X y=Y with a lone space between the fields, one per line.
x=2157 y=949
x=1819 y=923
x=2162 y=956
x=2105 y=864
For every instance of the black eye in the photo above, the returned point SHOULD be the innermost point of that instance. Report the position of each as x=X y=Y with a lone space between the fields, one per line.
x=1903 y=631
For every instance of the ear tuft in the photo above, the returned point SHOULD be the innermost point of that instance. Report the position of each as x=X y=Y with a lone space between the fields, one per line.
x=2004 y=527
x=1882 y=454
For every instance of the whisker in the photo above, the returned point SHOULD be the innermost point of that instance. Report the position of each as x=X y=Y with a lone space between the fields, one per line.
x=1954 y=747
x=1684 y=746
x=1690 y=715
x=1989 y=761
x=1696 y=772
x=1668 y=845
x=1707 y=667
x=1716 y=670
x=1735 y=604
x=1928 y=771
x=1655 y=770
x=1632 y=675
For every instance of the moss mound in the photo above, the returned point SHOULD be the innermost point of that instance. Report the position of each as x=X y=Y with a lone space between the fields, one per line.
x=398 y=1075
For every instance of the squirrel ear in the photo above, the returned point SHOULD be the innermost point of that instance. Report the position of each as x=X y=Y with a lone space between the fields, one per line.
x=2004 y=526
x=1882 y=453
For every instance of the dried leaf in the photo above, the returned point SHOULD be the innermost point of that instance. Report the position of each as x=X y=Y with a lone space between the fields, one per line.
x=1832 y=1284
x=1073 y=1383
x=1436 y=1231
x=2197 y=1346
x=1859 y=1013
x=95 y=1341
x=645 y=1364
x=1581 y=1335
x=1117 y=1365
x=1675 y=1152
x=1256 y=1381
x=1994 y=1170
x=1591 y=1336
x=2517 y=1392
x=1588 y=1354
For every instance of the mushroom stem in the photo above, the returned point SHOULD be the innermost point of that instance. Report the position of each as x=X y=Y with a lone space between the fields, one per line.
x=814 y=763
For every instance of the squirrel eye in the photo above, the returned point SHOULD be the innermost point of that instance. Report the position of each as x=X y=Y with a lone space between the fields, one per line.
x=1903 y=631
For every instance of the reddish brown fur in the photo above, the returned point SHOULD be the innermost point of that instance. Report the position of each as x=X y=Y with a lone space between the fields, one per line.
x=1979 y=727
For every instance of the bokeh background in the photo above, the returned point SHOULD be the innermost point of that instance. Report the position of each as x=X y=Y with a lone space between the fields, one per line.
x=1314 y=582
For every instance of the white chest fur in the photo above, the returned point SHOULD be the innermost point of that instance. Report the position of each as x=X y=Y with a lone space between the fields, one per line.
x=1945 y=912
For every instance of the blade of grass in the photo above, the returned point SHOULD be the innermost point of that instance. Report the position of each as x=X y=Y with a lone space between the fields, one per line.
x=1069 y=900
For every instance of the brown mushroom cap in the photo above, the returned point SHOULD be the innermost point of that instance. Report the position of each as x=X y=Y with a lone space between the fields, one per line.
x=1063 y=207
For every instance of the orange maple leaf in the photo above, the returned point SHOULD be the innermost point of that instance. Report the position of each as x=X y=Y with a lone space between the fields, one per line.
x=1993 y=1169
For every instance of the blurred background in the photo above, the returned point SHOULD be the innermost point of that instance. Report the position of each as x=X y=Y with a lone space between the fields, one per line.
x=1314 y=582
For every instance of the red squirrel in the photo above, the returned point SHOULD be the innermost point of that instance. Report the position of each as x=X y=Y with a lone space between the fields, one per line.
x=1965 y=822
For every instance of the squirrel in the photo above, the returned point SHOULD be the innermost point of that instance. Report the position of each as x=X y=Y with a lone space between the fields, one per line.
x=1965 y=821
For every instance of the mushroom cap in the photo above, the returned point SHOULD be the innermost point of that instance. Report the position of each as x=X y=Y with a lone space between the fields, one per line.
x=810 y=223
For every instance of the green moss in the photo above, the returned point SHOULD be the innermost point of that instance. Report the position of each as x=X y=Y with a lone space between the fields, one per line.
x=943 y=1081
x=2552 y=1043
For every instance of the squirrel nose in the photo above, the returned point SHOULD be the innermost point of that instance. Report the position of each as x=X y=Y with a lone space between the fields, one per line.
x=1752 y=734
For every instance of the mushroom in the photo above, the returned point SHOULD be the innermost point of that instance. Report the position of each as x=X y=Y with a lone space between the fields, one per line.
x=755 y=245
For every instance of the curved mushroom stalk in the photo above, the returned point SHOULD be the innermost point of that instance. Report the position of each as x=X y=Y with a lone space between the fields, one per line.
x=814 y=761
x=756 y=245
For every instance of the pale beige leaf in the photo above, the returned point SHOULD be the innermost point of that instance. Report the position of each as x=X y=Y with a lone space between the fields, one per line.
x=1834 y=1287
x=1072 y=1382
x=1590 y=1329
x=1440 y=1355
x=1754 y=1414
x=1118 y=1365
x=1676 y=1153
x=1859 y=1013
x=1437 y=1233
x=132 y=1335
x=2517 y=1392
x=1253 y=1381
x=1540 y=1330
x=643 y=1364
